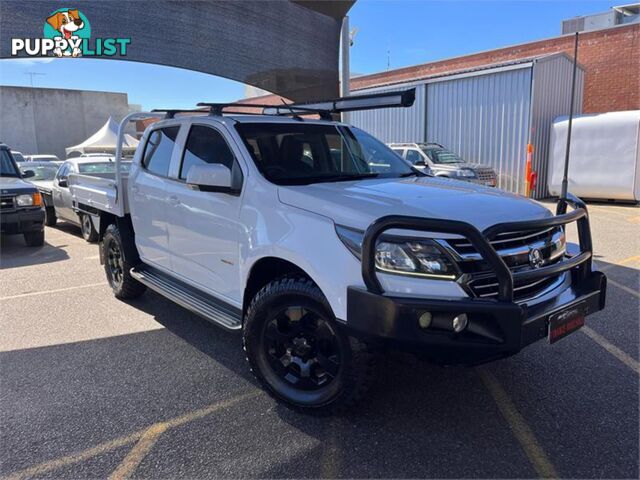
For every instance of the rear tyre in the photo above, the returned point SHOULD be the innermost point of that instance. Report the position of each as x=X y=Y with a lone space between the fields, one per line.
x=117 y=268
x=88 y=231
x=297 y=351
x=50 y=217
x=34 y=239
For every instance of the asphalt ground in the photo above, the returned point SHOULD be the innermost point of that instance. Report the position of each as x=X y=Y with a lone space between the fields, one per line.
x=93 y=387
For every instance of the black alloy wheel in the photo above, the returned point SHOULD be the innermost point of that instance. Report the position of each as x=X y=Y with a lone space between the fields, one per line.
x=302 y=348
x=300 y=353
x=115 y=264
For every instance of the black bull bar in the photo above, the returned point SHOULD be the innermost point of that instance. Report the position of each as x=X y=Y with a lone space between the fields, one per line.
x=481 y=241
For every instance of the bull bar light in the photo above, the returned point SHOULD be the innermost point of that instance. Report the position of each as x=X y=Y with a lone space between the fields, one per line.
x=399 y=98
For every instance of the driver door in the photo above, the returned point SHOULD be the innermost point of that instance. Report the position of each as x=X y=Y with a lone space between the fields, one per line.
x=62 y=200
x=204 y=227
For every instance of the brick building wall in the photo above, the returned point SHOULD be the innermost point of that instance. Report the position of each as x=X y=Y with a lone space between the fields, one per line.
x=611 y=59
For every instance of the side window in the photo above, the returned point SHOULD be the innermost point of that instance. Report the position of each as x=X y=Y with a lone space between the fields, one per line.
x=398 y=151
x=205 y=145
x=414 y=157
x=158 y=150
x=63 y=171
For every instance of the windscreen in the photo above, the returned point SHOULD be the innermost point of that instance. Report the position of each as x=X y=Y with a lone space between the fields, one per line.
x=303 y=153
x=7 y=167
x=442 y=155
x=41 y=172
x=102 y=167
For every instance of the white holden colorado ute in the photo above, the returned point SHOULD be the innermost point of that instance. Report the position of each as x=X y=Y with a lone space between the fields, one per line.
x=325 y=248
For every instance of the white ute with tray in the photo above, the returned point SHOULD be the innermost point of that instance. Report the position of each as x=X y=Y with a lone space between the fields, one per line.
x=326 y=249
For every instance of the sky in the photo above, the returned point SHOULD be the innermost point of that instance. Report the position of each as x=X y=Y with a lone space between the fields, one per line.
x=397 y=33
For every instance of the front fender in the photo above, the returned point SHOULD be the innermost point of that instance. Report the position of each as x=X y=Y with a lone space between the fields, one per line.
x=308 y=241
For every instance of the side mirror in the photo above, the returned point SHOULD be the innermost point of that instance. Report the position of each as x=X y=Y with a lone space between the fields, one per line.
x=211 y=177
x=63 y=182
x=28 y=174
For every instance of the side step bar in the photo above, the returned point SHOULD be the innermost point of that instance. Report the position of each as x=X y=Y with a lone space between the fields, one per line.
x=200 y=303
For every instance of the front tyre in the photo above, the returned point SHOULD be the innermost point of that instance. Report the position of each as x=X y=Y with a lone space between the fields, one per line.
x=50 y=217
x=88 y=231
x=117 y=268
x=296 y=349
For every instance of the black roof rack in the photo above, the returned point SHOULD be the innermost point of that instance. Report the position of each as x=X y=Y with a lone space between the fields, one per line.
x=284 y=109
x=171 y=112
x=325 y=108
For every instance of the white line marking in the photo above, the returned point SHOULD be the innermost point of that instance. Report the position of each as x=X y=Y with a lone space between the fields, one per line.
x=612 y=349
x=623 y=287
x=56 y=290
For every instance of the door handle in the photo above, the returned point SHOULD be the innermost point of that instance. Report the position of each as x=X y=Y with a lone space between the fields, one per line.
x=173 y=200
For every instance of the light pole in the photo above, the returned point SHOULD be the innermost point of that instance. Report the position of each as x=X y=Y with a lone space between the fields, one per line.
x=565 y=181
x=31 y=75
x=345 y=42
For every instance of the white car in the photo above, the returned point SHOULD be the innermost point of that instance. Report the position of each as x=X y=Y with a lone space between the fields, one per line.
x=41 y=158
x=18 y=157
x=325 y=248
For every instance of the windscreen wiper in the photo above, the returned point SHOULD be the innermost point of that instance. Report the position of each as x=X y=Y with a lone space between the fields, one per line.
x=324 y=178
x=343 y=177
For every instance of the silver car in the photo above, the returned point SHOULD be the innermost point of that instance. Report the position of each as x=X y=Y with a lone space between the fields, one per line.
x=433 y=158
x=60 y=196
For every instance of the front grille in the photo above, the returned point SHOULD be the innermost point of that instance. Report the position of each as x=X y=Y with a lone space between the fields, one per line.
x=7 y=203
x=514 y=248
x=506 y=241
x=486 y=175
x=487 y=287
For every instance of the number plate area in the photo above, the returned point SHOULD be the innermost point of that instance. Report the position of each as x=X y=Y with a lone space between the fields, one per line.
x=566 y=321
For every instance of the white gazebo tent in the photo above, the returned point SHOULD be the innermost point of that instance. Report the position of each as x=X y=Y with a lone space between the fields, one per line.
x=104 y=141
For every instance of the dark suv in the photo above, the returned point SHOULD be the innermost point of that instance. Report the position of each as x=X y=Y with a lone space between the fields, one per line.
x=21 y=206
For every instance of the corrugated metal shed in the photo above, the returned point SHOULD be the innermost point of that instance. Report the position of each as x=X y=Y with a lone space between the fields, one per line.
x=484 y=119
x=551 y=97
x=487 y=114
x=394 y=124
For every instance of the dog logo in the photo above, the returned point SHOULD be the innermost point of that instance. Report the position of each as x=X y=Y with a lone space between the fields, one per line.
x=67 y=33
x=536 y=260
x=67 y=23
x=68 y=27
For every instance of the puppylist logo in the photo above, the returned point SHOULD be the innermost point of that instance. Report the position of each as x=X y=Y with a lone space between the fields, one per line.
x=67 y=33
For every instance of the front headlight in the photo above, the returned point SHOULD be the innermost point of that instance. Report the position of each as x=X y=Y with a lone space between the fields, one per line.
x=420 y=257
x=24 y=200
x=29 y=200
x=465 y=173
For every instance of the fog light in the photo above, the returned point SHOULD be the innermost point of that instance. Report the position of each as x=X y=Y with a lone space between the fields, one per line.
x=460 y=322
x=425 y=320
